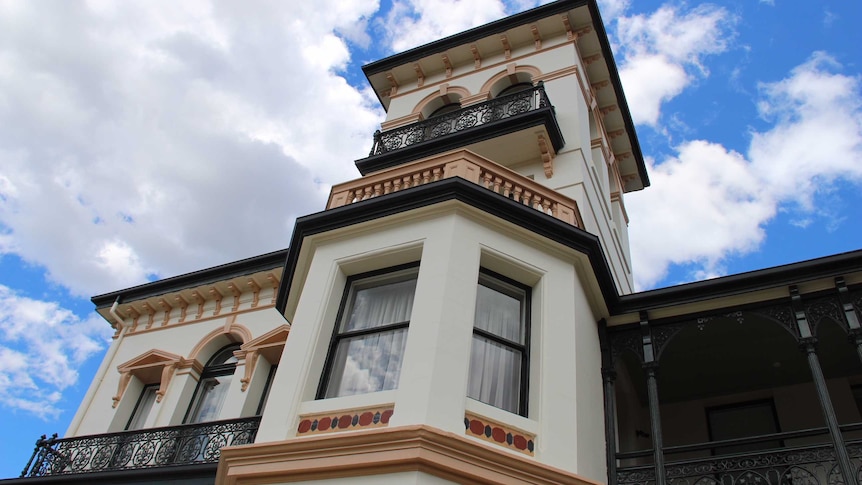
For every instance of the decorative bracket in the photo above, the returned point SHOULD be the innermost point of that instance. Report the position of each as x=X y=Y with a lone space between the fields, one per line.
x=447 y=63
x=274 y=282
x=537 y=39
x=507 y=49
x=167 y=308
x=568 y=25
x=392 y=83
x=420 y=75
x=548 y=156
x=200 y=300
x=184 y=305
x=218 y=298
x=477 y=59
x=236 y=294
x=255 y=288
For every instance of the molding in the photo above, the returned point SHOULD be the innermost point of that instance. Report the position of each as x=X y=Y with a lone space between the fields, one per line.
x=243 y=267
x=269 y=345
x=233 y=331
x=150 y=367
x=345 y=420
x=414 y=117
x=499 y=433
x=509 y=70
x=384 y=451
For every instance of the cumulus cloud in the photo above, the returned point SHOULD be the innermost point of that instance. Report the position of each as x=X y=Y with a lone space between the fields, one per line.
x=662 y=53
x=147 y=139
x=708 y=203
x=411 y=23
x=42 y=344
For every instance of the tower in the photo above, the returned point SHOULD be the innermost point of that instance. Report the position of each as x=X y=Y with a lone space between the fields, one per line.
x=464 y=313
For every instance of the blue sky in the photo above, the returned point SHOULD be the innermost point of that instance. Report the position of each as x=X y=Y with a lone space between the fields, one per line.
x=142 y=140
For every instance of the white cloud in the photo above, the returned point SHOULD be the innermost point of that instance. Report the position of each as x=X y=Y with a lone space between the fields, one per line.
x=41 y=345
x=150 y=138
x=411 y=23
x=708 y=203
x=662 y=53
x=611 y=9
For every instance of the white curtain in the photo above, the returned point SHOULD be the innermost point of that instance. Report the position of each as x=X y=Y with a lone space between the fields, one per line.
x=211 y=398
x=372 y=362
x=495 y=369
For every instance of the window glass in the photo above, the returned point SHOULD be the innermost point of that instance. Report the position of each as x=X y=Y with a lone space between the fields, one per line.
x=212 y=388
x=368 y=346
x=498 y=360
x=143 y=407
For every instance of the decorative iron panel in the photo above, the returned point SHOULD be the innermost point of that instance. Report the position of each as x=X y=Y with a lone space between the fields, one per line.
x=812 y=465
x=147 y=448
x=497 y=109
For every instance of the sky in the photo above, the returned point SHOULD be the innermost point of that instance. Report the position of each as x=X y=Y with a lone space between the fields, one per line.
x=145 y=139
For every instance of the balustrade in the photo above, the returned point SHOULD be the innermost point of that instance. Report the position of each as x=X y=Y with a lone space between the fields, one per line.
x=468 y=166
x=129 y=450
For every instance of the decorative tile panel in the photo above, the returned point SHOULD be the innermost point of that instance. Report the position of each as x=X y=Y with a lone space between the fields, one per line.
x=329 y=422
x=500 y=434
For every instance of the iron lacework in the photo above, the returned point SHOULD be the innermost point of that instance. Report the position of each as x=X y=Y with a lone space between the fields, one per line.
x=131 y=450
x=498 y=109
x=808 y=465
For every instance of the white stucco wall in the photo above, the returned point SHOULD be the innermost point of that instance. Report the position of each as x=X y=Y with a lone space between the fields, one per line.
x=565 y=408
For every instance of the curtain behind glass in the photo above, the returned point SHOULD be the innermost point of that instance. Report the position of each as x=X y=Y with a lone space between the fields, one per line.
x=372 y=362
x=381 y=305
x=495 y=369
x=143 y=407
x=212 y=392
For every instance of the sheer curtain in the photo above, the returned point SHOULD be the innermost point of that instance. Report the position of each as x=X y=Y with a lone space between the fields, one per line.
x=495 y=368
x=372 y=362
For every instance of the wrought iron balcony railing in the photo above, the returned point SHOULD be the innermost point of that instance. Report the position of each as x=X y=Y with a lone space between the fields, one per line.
x=474 y=123
x=147 y=448
x=472 y=116
x=810 y=465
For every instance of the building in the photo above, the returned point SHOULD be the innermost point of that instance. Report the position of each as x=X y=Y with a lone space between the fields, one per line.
x=464 y=313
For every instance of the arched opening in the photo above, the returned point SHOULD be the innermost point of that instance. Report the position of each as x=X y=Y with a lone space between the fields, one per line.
x=513 y=83
x=212 y=388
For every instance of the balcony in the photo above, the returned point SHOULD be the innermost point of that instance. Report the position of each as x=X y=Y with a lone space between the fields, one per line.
x=191 y=444
x=518 y=112
x=814 y=464
x=469 y=166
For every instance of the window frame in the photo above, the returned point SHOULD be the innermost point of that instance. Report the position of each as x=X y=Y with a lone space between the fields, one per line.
x=346 y=299
x=148 y=388
x=211 y=369
x=526 y=316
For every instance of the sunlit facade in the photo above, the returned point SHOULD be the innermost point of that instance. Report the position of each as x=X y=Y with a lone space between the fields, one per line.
x=464 y=312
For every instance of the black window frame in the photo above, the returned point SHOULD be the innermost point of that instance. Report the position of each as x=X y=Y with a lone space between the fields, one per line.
x=211 y=369
x=264 y=396
x=147 y=388
x=338 y=336
x=524 y=349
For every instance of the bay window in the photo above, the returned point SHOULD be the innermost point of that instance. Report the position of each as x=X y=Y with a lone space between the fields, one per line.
x=367 y=347
x=501 y=331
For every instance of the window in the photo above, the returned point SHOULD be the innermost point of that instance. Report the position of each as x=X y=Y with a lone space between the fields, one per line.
x=143 y=407
x=265 y=396
x=743 y=420
x=368 y=345
x=501 y=336
x=212 y=388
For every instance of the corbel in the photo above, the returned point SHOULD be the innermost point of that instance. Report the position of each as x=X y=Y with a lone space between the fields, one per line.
x=135 y=316
x=547 y=156
x=577 y=34
x=236 y=294
x=623 y=155
x=616 y=133
x=601 y=84
x=273 y=281
x=217 y=296
x=477 y=59
x=607 y=109
x=125 y=378
x=850 y=315
x=250 y=358
x=393 y=90
x=510 y=68
x=447 y=63
x=568 y=25
x=200 y=300
x=591 y=59
x=507 y=49
x=420 y=76
x=536 y=37
x=167 y=373
x=255 y=288
x=184 y=305
x=167 y=308
x=151 y=312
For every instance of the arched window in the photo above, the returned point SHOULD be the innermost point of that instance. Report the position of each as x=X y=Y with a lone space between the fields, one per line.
x=212 y=388
x=515 y=88
x=446 y=108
